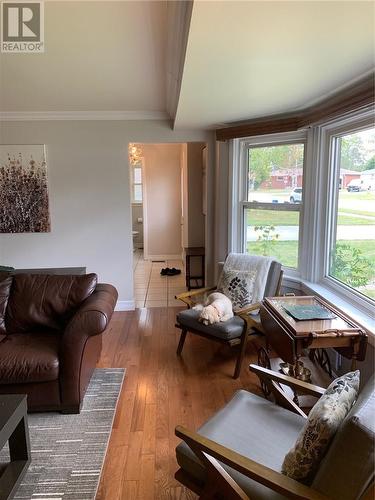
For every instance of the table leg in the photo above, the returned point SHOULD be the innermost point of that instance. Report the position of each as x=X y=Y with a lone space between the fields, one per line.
x=19 y=450
x=203 y=271
x=19 y=442
x=187 y=272
x=355 y=350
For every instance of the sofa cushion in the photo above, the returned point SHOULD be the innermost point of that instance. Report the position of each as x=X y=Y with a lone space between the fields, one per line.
x=29 y=358
x=227 y=330
x=5 y=285
x=303 y=460
x=45 y=301
x=253 y=427
x=351 y=455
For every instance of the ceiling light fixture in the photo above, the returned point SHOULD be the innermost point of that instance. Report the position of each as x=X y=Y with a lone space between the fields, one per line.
x=135 y=153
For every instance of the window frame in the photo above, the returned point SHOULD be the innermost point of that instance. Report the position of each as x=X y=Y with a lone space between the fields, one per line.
x=317 y=210
x=330 y=152
x=133 y=183
x=238 y=194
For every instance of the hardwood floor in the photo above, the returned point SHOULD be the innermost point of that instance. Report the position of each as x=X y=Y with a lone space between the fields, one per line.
x=160 y=391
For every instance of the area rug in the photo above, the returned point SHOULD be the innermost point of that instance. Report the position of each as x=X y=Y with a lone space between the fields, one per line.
x=68 y=451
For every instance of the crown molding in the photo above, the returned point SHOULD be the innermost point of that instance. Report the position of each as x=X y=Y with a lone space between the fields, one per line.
x=81 y=115
x=357 y=95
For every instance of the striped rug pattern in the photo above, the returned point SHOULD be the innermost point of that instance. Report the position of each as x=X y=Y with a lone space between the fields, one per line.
x=68 y=450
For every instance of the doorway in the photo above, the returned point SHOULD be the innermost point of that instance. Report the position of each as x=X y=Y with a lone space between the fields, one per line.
x=167 y=216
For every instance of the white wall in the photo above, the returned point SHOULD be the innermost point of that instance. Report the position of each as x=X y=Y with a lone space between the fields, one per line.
x=88 y=175
x=162 y=200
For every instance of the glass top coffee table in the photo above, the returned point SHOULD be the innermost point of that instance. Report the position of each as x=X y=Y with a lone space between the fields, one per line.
x=13 y=428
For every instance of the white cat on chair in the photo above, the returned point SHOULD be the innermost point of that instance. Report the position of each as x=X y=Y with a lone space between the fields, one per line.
x=216 y=308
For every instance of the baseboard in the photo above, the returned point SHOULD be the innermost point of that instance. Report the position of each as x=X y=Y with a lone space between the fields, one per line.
x=125 y=305
x=164 y=257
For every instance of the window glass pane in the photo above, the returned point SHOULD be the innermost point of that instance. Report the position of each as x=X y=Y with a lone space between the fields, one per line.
x=275 y=173
x=273 y=233
x=137 y=175
x=137 y=192
x=352 y=258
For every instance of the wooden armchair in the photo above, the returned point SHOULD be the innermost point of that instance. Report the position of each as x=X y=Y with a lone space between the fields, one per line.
x=238 y=453
x=234 y=332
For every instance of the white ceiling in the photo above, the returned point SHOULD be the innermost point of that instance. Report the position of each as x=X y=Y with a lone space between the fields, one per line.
x=250 y=59
x=99 y=56
x=243 y=60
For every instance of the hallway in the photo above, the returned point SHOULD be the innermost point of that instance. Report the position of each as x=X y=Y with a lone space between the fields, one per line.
x=153 y=290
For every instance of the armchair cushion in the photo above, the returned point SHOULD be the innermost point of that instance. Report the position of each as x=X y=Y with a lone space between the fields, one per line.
x=29 y=358
x=303 y=460
x=45 y=301
x=237 y=426
x=246 y=279
x=226 y=330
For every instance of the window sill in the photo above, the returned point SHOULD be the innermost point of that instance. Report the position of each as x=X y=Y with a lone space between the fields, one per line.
x=361 y=317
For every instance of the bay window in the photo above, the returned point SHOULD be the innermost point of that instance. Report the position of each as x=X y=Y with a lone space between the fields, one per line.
x=272 y=198
x=308 y=199
x=351 y=240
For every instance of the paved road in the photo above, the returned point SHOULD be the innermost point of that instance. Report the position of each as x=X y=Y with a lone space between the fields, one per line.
x=290 y=233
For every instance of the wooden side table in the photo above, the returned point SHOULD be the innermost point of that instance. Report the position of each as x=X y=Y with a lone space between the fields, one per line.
x=292 y=340
x=13 y=428
x=290 y=337
x=195 y=252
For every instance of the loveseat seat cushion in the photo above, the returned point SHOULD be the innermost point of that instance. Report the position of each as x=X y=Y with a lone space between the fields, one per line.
x=29 y=357
x=253 y=427
x=5 y=285
x=45 y=301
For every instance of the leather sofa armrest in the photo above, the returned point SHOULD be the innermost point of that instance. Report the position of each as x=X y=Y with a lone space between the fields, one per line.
x=92 y=318
x=94 y=314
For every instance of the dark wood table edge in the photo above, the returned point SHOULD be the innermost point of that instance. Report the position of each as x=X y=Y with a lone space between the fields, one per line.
x=16 y=432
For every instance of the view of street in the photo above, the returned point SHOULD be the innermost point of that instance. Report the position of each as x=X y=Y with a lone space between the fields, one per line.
x=275 y=176
x=358 y=207
x=355 y=227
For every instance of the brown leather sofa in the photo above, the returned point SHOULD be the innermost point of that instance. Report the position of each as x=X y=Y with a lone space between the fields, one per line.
x=50 y=338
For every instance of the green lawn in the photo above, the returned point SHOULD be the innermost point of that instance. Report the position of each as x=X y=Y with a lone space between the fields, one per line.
x=284 y=251
x=287 y=253
x=280 y=218
x=357 y=212
x=272 y=217
x=362 y=195
x=347 y=220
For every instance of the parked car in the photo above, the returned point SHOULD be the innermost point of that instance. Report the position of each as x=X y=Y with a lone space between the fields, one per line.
x=355 y=185
x=296 y=195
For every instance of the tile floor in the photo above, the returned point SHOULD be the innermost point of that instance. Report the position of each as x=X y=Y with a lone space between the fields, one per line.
x=153 y=290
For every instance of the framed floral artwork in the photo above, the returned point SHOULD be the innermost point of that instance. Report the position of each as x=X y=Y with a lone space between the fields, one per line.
x=24 y=205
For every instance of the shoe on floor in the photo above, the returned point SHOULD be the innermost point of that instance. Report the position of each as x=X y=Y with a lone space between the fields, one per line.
x=173 y=271
x=165 y=271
